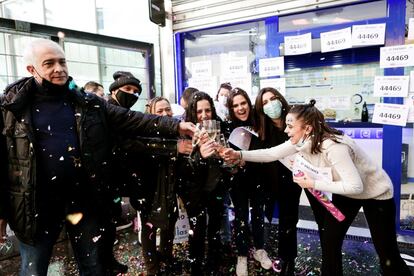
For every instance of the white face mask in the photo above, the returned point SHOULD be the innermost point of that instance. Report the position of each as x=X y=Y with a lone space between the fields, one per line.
x=301 y=141
x=273 y=109
x=222 y=100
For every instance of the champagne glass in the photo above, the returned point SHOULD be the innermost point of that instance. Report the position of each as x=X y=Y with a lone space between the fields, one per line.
x=218 y=128
x=222 y=145
x=195 y=140
x=211 y=128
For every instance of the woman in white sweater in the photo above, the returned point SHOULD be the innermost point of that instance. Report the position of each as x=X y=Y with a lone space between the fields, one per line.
x=357 y=182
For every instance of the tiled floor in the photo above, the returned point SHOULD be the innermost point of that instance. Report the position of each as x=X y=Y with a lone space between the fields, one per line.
x=359 y=256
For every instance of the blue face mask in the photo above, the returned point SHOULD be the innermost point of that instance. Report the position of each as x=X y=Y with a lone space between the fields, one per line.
x=273 y=109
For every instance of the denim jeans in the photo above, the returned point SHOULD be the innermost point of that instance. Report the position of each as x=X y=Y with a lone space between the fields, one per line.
x=85 y=241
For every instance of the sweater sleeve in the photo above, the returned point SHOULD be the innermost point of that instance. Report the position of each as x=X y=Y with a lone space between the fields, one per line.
x=349 y=181
x=270 y=154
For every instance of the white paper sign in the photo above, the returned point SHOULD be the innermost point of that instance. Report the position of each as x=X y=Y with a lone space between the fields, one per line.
x=390 y=114
x=410 y=28
x=339 y=102
x=243 y=81
x=278 y=84
x=391 y=86
x=409 y=101
x=336 y=40
x=397 y=56
x=269 y=67
x=317 y=173
x=234 y=66
x=205 y=84
x=371 y=34
x=181 y=227
x=201 y=68
x=298 y=44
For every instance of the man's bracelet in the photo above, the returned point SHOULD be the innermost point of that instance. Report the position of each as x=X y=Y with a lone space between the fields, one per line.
x=240 y=156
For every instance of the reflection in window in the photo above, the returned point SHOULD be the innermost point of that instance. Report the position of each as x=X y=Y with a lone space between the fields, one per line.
x=333 y=16
x=24 y=10
x=11 y=58
x=225 y=54
x=97 y=63
x=407 y=179
x=407 y=167
x=341 y=89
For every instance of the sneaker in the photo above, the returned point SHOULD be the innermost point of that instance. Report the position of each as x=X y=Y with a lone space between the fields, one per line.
x=122 y=224
x=261 y=256
x=241 y=267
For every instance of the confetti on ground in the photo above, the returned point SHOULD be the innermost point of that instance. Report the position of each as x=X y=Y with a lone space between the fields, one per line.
x=359 y=257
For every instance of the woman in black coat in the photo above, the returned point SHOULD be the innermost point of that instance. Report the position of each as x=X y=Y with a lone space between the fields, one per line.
x=157 y=202
x=247 y=189
x=271 y=109
x=201 y=188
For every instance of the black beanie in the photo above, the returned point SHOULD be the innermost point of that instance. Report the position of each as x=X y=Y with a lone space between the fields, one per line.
x=123 y=78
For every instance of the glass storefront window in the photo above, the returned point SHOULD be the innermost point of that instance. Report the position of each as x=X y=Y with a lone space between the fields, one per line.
x=339 y=90
x=11 y=58
x=407 y=167
x=98 y=63
x=74 y=14
x=333 y=16
x=407 y=179
x=24 y=10
x=224 y=54
x=128 y=20
x=82 y=59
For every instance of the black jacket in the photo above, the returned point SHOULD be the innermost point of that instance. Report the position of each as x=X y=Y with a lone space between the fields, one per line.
x=144 y=170
x=199 y=178
x=95 y=120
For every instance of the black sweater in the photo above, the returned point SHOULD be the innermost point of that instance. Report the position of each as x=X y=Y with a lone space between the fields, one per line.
x=56 y=147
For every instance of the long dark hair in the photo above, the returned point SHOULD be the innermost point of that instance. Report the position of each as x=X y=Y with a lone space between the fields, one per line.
x=225 y=85
x=263 y=123
x=320 y=129
x=191 y=111
x=239 y=92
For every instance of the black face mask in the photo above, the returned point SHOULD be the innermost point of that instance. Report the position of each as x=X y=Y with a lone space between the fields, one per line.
x=49 y=86
x=125 y=99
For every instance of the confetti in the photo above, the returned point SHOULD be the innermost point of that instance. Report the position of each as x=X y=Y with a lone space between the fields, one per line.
x=74 y=218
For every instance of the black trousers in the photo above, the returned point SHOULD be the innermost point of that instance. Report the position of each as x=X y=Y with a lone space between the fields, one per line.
x=213 y=206
x=380 y=215
x=240 y=196
x=288 y=202
x=109 y=216
x=152 y=257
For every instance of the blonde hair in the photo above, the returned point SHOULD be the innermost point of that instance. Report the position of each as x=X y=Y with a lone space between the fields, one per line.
x=150 y=106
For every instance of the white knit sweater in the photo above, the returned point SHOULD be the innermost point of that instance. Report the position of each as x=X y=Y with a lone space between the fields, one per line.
x=354 y=174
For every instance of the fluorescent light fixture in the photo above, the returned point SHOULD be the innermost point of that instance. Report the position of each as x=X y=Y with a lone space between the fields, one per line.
x=294 y=69
x=337 y=66
x=339 y=20
x=300 y=22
